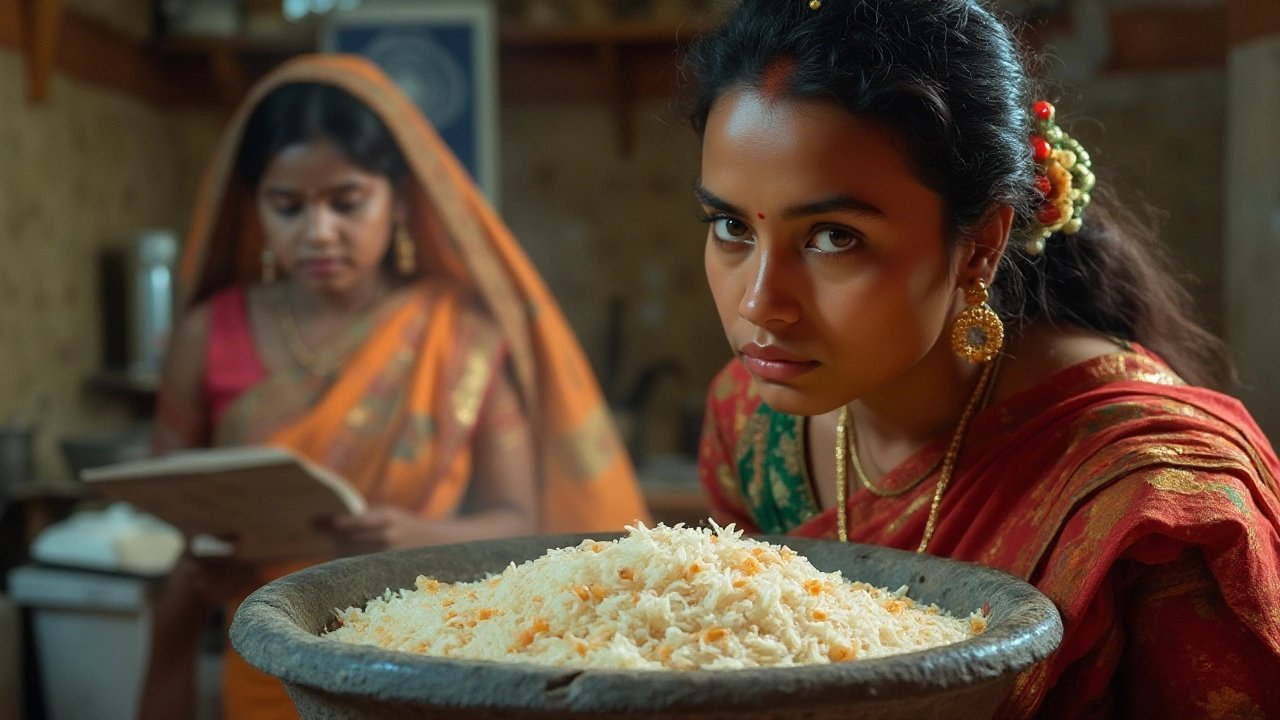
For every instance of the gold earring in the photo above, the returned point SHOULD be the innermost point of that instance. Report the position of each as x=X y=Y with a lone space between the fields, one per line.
x=977 y=334
x=406 y=252
x=268 y=265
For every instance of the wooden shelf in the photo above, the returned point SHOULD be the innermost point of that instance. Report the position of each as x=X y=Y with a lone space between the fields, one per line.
x=119 y=382
x=138 y=392
x=200 y=46
x=48 y=490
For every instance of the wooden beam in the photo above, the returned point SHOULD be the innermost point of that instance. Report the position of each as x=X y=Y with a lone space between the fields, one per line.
x=1252 y=19
x=11 y=24
x=40 y=32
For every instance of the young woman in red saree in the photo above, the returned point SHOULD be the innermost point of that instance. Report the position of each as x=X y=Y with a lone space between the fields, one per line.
x=947 y=340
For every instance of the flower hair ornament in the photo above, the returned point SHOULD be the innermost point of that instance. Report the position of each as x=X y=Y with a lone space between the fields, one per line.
x=1064 y=177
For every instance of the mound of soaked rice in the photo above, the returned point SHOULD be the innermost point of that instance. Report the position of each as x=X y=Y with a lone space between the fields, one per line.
x=661 y=598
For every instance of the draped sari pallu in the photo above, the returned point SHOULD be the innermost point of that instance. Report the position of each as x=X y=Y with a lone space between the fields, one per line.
x=397 y=423
x=1145 y=509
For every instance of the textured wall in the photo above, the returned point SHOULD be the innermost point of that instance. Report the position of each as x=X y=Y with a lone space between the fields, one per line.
x=598 y=224
x=79 y=173
x=1253 y=228
x=1161 y=138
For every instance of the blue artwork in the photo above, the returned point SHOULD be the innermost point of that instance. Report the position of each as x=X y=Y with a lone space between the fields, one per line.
x=434 y=64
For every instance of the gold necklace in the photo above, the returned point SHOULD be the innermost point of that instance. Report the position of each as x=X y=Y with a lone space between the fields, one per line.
x=928 y=473
x=866 y=481
x=980 y=394
x=317 y=364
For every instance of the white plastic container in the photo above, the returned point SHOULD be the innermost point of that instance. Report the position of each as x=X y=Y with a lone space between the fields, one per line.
x=92 y=634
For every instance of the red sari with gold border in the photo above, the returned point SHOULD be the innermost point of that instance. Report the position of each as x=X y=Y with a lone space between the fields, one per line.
x=1146 y=509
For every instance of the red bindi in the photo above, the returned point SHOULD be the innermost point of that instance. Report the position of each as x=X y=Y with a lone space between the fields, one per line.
x=760 y=215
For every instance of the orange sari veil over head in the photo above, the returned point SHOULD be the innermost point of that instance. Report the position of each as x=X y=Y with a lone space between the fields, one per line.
x=587 y=481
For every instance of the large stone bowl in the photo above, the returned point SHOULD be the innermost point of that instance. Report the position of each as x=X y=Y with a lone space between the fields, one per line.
x=277 y=631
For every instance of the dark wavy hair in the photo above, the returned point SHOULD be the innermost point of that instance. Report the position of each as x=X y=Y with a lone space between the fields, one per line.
x=950 y=79
x=305 y=111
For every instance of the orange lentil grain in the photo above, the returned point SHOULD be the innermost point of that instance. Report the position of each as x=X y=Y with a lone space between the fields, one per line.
x=715 y=634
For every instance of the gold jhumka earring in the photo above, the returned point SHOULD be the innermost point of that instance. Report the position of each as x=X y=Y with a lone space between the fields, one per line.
x=268 y=265
x=406 y=251
x=977 y=334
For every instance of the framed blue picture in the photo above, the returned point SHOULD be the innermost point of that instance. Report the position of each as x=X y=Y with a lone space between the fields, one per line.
x=443 y=55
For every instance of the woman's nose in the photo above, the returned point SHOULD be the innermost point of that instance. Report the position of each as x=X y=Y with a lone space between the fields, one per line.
x=322 y=224
x=770 y=297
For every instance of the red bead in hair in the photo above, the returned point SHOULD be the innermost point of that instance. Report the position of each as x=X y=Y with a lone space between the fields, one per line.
x=1041 y=148
x=1043 y=186
x=1043 y=110
x=1049 y=214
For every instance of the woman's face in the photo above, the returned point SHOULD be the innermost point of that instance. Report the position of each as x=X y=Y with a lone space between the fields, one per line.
x=327 y=220
x=826 y=255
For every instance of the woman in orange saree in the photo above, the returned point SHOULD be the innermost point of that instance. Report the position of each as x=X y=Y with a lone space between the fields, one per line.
x=873 y=174
x=449 y=389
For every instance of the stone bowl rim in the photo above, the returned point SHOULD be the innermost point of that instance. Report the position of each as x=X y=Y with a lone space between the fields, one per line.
x=1004 y=649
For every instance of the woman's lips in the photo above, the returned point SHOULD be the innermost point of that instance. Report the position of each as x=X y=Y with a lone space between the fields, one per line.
x=773 y=364
x=321 y=266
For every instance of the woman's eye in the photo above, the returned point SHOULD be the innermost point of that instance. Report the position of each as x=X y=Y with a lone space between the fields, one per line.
x=730 y=230
x=833 y=240
x=346 y=205
x=288 y=209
